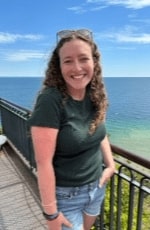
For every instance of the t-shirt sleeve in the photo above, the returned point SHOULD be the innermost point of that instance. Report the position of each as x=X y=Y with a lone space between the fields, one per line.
x=47 y=111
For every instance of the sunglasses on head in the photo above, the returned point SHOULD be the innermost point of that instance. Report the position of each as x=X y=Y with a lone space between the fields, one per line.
x=66 y=33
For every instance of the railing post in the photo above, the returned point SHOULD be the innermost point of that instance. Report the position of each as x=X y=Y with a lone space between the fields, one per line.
x=140 y=205
x=112 y=202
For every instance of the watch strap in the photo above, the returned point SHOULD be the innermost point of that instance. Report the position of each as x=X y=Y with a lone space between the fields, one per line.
x=50 y=217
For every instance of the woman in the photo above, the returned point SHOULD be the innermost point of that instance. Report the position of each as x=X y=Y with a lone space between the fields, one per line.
x=69 y=136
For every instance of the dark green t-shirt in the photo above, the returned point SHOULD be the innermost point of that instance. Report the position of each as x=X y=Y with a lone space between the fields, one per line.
x=78 y=159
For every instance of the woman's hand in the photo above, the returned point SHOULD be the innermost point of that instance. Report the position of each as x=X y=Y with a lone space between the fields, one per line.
x=106 y=175
x=57 y=223
x=108 y=161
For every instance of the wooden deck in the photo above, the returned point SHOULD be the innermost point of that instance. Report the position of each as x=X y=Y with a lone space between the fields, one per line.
x=19 y=199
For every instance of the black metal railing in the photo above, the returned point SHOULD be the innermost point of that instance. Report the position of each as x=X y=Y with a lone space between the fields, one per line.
x=127 y=202
x=128 y=193
x=14 y=126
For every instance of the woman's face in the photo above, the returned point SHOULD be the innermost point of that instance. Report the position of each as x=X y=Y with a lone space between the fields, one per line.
x=77 y=66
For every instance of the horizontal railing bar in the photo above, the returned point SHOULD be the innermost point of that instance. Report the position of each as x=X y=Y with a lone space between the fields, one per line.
x=131 y=167
x=131 y=156
x=18 y=113
x=133 y=182
x=8 y=103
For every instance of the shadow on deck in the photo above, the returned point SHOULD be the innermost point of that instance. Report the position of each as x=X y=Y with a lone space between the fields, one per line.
x=19 y=198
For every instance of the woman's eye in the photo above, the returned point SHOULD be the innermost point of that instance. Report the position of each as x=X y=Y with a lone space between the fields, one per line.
x=84 y=59
x=67 y=61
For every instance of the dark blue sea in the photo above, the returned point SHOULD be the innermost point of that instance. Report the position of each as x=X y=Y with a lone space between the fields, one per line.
x=128 y=118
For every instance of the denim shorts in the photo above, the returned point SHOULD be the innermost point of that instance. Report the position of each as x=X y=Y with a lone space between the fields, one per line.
x=73 y=202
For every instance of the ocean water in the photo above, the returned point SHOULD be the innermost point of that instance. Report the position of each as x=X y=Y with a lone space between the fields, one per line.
x=128 y=117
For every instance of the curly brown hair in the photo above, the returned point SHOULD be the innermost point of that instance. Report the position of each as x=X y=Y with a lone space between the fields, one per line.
x=53 y=77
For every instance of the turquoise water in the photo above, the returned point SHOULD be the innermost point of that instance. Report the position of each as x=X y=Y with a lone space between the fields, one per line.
x=128 y=118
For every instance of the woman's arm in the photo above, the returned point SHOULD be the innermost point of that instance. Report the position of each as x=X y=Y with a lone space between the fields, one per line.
x=108 y=161
x=44 y=143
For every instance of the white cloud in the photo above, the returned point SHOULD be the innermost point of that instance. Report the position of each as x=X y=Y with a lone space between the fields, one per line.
x=134 y=4
x=23 y=55
x=142 y=38
x=127 y=35
x=101 y=4
x=78 y=9
x=145 y=22
x=11 y=38
x=97 y=8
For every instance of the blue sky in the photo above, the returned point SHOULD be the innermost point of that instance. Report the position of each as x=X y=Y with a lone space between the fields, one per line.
x=121 y=28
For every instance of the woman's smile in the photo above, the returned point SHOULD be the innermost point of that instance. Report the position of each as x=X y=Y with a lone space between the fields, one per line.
x=78 y=77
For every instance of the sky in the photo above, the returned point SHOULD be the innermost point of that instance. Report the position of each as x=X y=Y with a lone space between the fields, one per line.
x=121 y=29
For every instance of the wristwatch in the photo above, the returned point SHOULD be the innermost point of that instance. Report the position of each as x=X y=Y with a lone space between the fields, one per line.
x=50 y=217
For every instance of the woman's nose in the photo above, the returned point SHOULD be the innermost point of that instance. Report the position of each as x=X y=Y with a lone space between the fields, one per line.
x=76 y=65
